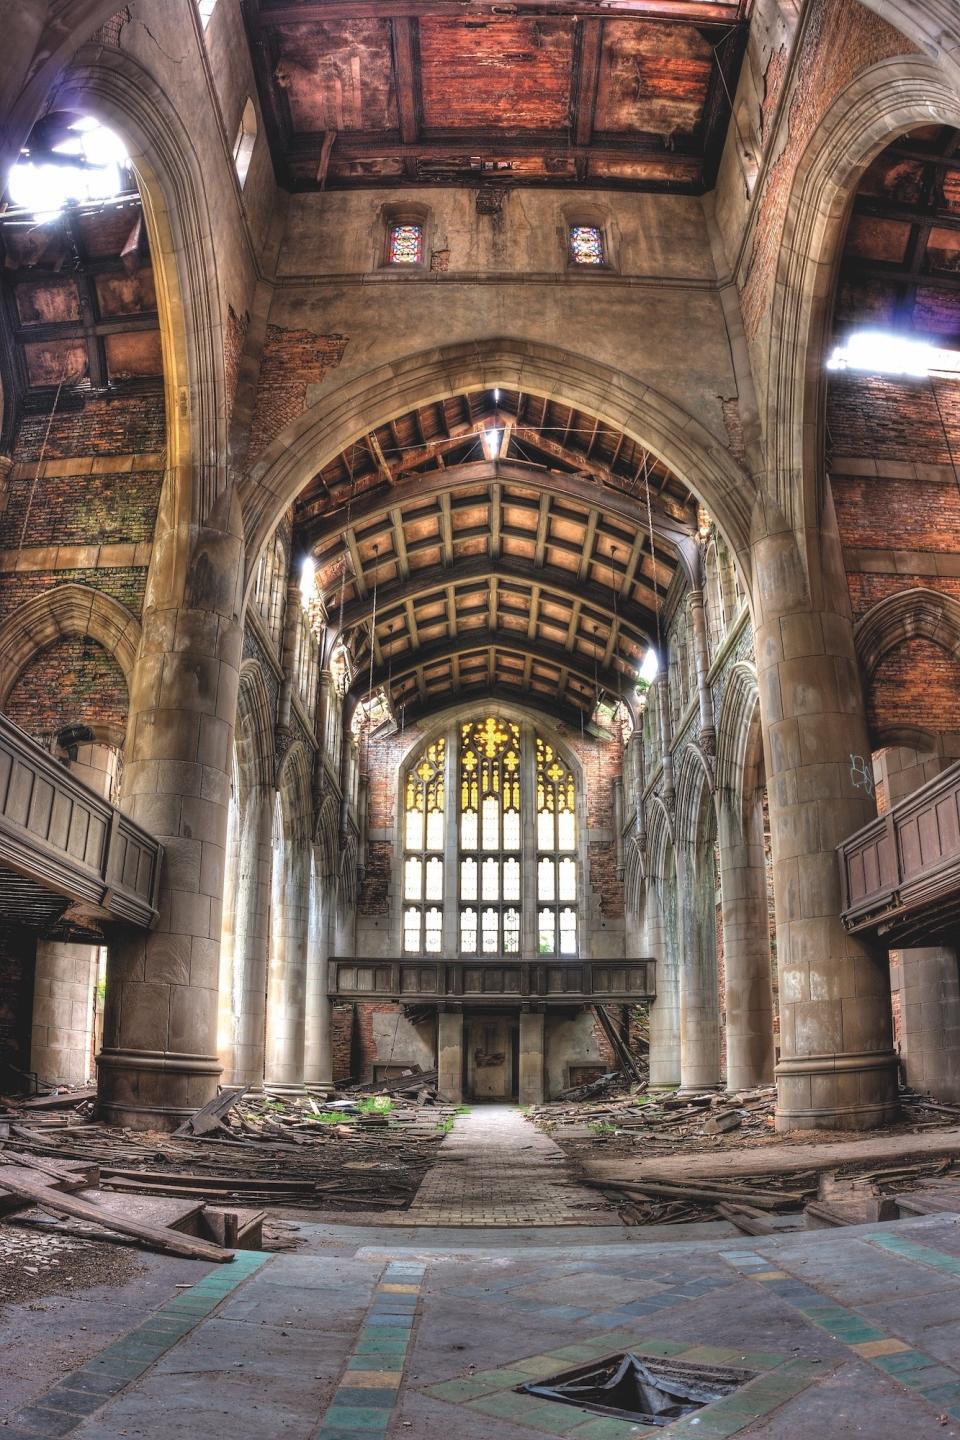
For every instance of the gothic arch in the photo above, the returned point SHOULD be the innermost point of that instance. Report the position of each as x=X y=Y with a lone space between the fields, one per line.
x=886 y=100
x=695 y=787
x=737 y=733
x=254 y=730
x=66 y=610
x=293 y=785
x=912 y=614
x=352 y=407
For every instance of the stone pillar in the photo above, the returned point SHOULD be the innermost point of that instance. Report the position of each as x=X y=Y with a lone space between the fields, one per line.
x=701 y=655
x=450 y=1056
x=930 y=1020
x=287 y=977
x=318 y=1044
x=699 y=1000
x=665 y=1010
x=531 y=1088
x=64 y=1000
x=159 y=1063
x=244 y=973
x=748 y=998
x=666 y=739
x=837 y=1068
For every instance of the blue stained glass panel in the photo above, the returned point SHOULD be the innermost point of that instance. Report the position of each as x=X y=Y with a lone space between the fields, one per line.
x=586 y=245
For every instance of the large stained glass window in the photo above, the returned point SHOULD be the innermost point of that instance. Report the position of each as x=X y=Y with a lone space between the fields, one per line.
x=586 y=245
x=423 y=839
x=556 y=854
x=490 y=839
x=406 y=245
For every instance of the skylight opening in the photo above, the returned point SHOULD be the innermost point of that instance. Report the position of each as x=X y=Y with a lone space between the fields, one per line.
x=875 y=352
x=649 y=667
x=85 y=163
x=491 y=443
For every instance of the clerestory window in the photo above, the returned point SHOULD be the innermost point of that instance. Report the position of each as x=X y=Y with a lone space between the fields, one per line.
x=423 y=853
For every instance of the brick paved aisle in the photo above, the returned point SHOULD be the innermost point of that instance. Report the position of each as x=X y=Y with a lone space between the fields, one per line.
x=496 y=1168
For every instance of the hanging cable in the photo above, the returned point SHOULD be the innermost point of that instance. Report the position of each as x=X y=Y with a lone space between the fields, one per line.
x=43 y=451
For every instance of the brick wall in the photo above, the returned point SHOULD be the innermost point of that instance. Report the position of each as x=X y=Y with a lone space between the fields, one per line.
x=884 y=418
x=291 y=360
x=94 y=425
x=918 y=683
x=89 y=502
x=73 y=681
x=841 y=39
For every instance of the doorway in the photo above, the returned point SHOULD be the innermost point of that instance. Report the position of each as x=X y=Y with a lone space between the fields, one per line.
x=492 y=1052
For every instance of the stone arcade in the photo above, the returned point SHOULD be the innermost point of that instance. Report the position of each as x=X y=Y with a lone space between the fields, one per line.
x=480 y=580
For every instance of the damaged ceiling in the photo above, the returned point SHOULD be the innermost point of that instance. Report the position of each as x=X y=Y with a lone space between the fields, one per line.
x=386 y=92
x=495 y=544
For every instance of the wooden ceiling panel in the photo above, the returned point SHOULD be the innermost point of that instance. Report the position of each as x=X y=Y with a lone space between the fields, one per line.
x=653 y=79
x=873 y=239
x=338 y=75
x=509 y=74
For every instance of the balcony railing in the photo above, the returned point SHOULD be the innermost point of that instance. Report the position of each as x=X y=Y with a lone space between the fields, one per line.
x=900 y=875
x=471 y=982
x=63 y=838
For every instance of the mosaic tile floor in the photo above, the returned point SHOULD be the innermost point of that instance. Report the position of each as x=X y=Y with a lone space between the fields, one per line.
x=386 y=1333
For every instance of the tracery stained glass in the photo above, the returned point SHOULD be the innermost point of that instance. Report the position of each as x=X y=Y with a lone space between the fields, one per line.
x=406 y=244
x=586 y=245
x=423 y=857
x=556 y=871
x=490 y=822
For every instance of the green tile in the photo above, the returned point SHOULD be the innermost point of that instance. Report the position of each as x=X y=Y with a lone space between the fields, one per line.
x=370 y=1343
x=607 y=1429
x=374 y=1362
x=356 y=1417
x=552 y=1419
x=386 y=1332
x=709 y=1355
x=645 y=1345
x=760 y=1360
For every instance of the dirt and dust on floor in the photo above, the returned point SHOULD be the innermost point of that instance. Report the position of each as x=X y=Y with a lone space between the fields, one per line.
x=223 y=1179
x=675 y=1158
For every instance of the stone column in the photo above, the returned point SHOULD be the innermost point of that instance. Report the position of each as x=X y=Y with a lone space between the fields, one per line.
x=287 y=976
x=666 y=739
x=318 y=1046
x=930 y=1020
x=531 y=1089
x=665 y=1010
x=243 y=1006
x=701 y=655
x=746 y=951
x=64 y=997
x=837 y=1068
x=159 y=1063
x=450 y=1056
x=699 y=1001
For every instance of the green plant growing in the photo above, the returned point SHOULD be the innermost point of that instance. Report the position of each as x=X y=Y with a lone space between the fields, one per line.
x=602 y=1127
x=376 y=1105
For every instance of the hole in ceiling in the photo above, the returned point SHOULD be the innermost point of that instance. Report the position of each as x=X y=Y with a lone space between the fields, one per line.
x=70 y=159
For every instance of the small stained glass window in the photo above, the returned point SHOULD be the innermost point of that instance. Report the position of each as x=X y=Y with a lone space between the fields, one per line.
x=586 y=245
x=406 y=244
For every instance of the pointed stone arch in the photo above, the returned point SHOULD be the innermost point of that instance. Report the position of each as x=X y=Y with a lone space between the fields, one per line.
x=66 y=610
x=913 y=614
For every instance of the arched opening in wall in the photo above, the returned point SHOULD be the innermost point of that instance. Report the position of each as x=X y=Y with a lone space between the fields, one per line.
x=243 y=145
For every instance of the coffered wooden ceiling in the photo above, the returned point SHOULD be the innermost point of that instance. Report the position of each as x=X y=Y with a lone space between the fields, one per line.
x=623 y=93
x=901 y=263
x=496 y=544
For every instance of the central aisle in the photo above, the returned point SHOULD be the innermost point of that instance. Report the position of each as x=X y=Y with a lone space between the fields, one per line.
x=495 y=1168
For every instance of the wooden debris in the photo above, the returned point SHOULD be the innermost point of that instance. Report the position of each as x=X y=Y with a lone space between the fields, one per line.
x=211 y=1116
x=154 y=1236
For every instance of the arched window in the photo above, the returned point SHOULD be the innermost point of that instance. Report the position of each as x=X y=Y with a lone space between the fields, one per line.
x=423 y=853
x=509 y=853
x=245 y=141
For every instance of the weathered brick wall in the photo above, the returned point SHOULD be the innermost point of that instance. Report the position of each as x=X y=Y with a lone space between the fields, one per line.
x=101 y=425
x=918 y=683
x=74 y=681
x=842 y=38
x=291 y=360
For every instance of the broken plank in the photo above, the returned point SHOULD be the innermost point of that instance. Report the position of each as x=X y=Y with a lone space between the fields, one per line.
x=78 y=1209
x=209 y=1116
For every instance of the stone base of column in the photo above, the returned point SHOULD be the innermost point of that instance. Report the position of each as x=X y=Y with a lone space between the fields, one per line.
x=283 y=1088
x=837 y=1092
x=450 y=1056
x=531 y=1089
x=150 y=1090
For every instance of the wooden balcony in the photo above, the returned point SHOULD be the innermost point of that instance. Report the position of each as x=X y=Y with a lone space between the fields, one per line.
x=63 y=847
x=900 y=875
x=494 y=982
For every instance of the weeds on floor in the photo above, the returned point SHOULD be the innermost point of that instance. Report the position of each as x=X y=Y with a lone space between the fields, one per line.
x=376 y=1105
x=445 y=1126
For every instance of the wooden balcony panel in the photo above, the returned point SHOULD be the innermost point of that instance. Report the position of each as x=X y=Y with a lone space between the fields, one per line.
x=478 y=982
x=900 y=875
x=61 y=837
